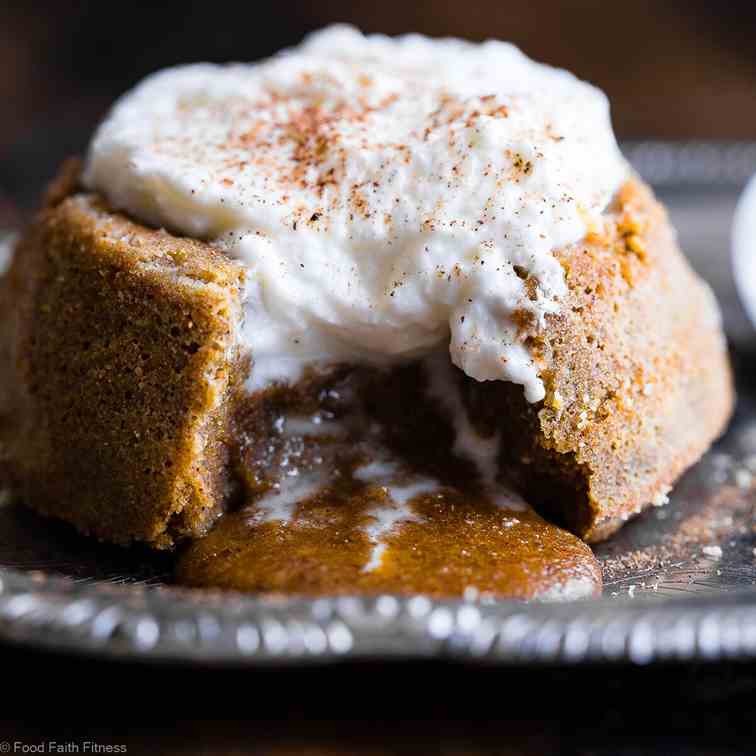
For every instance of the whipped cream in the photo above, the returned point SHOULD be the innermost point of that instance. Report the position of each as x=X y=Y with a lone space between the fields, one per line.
x=387 y=195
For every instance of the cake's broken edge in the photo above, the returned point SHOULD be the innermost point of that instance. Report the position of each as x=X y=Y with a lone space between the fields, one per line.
x=121 y=354
x=128 y=447
x=638 y=381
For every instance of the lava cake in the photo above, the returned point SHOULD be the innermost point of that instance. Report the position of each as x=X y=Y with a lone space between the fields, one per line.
x=375 y=314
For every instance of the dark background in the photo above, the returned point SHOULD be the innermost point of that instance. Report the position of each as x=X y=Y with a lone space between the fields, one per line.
x=672 y=68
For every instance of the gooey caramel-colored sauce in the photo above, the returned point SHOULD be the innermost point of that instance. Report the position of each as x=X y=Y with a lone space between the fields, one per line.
x=358 y=483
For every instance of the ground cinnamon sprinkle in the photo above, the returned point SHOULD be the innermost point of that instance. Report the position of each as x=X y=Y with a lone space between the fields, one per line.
x=687 y=551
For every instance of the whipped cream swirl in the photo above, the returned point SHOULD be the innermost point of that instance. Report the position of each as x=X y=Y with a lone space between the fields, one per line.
x=387 y=195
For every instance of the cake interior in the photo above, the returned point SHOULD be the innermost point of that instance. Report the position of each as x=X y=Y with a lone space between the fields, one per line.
x=357 y=480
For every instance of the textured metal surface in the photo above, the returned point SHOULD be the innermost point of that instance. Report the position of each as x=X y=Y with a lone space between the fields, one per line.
x=693 y=163
x=680 y=580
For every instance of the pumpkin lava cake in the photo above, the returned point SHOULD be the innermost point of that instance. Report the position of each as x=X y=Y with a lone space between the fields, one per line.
x=354 y=319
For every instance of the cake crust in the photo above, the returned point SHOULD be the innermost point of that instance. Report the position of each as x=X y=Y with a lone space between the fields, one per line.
x=121 y=375
x=120 y=360
x=638 y=380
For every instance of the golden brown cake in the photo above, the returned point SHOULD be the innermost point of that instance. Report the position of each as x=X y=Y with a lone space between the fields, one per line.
x=375 y=299
x=118 y=391
x=639 y=381
x=119 y=363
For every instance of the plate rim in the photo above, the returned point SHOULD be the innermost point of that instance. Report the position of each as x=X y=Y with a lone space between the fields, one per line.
x=172 y=624
x=169 y=623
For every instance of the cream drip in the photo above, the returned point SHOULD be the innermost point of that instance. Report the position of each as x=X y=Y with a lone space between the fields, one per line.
x=468 y=443
x=386 y=517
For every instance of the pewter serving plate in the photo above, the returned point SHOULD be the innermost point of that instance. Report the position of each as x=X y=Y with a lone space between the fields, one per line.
x=680 y=581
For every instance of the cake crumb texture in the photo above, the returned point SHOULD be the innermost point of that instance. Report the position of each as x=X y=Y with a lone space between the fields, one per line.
x=638 y=380
x=121 y=354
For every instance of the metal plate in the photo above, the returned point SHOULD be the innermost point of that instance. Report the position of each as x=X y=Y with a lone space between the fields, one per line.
x=680 y=581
